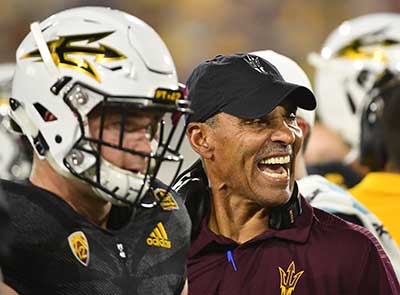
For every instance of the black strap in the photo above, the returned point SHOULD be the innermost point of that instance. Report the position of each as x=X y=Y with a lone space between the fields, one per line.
x=284 y=216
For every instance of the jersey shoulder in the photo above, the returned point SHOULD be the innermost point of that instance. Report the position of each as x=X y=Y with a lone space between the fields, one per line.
x=168 y=206
x=35 y=211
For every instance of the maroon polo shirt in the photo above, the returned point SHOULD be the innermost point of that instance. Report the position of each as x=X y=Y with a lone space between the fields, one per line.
x=320 y=254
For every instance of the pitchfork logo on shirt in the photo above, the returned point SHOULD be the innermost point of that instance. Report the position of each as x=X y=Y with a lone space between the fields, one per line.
x=289 y=279
x=79 y=246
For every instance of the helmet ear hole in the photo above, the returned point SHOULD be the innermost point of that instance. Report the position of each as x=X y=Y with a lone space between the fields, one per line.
x=46 y=115
x=362 y=77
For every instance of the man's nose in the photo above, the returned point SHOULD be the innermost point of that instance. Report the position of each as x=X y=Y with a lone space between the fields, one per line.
x=283 y=133
x=138 y=141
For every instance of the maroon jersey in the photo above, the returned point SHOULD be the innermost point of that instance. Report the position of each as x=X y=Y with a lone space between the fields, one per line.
x=320 y=254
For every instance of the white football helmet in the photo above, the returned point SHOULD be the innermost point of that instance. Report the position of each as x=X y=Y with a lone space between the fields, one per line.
x=90 y=57
x=347 y=66
x=292 y=73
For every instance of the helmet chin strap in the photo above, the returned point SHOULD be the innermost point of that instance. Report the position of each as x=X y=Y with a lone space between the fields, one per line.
x=44 y=50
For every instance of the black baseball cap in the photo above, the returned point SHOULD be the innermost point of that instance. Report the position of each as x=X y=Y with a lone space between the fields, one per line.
x=242 y=85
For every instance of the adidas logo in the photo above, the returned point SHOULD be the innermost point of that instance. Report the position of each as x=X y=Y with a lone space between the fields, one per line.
x=158 y=237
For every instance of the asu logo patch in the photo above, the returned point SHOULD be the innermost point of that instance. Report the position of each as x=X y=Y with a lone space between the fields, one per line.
x=166 y=200
x=79 y=246
x=289 y=279
x=158 y=237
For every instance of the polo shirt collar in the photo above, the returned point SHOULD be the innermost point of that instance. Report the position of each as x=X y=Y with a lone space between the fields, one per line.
x=298 y=232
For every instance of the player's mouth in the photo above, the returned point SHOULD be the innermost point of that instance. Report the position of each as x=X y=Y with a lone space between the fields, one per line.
x=276 y=167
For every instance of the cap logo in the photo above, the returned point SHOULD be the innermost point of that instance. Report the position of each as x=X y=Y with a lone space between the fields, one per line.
x=289 y=279
x=62 y=50
x=79 y=246
x=254 y=62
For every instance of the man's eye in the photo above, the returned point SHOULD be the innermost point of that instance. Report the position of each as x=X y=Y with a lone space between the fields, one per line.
x=130 y=127
x=255 y=122
x=152 y=130
x=113 y=126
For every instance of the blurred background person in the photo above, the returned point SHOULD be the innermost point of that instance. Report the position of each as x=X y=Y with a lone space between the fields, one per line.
x=15 y=152
x=350 y=59
x=320 y=192
x=91 y=91
x=380 y=152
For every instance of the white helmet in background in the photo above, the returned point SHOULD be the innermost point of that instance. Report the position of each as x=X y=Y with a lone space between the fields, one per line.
x=15 y=163
x=89 y=57
x=292 y=73
x=347 y=66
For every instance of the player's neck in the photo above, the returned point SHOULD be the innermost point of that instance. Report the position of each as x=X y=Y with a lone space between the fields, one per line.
x=77 y=195
x=236 y=218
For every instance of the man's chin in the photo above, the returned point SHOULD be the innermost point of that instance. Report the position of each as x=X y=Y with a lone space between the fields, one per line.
x=275 y=201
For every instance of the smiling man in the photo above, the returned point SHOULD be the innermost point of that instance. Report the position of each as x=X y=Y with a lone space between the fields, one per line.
x=253 y=233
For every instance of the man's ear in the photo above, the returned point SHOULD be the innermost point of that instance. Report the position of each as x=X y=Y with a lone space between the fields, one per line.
x=198 y=135
x=303 y=126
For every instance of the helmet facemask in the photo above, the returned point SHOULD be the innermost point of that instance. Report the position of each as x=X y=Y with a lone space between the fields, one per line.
x=95 y=59
x=114 y=128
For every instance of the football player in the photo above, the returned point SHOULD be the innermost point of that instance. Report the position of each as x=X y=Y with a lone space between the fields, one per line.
x=380 y=151
x=351 y=58
x=92 y=91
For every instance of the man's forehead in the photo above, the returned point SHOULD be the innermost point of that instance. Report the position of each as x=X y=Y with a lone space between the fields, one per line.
x=283 y=107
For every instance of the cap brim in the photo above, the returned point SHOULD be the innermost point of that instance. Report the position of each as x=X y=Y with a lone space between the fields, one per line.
x=261 y=101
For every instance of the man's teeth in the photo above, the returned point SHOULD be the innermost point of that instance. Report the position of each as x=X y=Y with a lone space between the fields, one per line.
x=276 y=160
x=282 y=174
